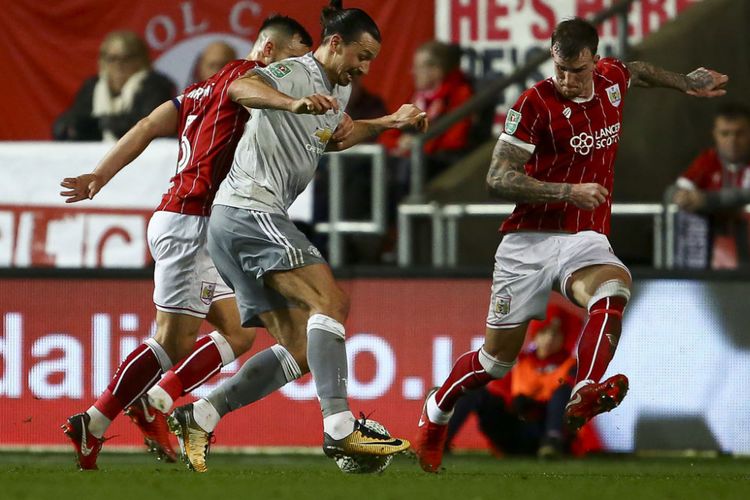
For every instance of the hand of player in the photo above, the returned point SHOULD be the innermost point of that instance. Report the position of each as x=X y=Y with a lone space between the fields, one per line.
x=409 y=116
x=316 y=104
x=83 y=187
x=587 y=196
x=689 y=199
x=346 y=125
x=704 y=82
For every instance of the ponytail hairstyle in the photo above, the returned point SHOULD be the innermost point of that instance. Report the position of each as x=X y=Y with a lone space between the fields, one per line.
x=349 y=24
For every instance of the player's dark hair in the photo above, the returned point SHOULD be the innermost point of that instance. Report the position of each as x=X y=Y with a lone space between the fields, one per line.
x=572 y=36
x=347 y=23
x=287 y=26
x=733 y=111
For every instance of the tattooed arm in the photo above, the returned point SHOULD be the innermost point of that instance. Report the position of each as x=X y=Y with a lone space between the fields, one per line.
x=701 y=82
x=507 y=179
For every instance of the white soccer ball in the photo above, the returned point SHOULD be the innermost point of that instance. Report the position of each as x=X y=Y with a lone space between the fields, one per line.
x=366 y=464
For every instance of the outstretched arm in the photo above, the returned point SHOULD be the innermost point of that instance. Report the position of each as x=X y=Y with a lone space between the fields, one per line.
x=408 y=116
x=162 y=122
x=507 y=179
x=254 y=92
x=701 y=82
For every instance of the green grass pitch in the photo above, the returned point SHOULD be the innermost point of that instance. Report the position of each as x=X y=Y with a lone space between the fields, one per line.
x=136 y=477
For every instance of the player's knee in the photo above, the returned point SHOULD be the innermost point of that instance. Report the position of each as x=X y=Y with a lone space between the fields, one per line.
x=334 y=304
x=617 y=287
x=241 y=339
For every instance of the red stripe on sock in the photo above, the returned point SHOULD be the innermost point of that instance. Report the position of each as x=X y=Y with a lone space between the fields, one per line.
x=466 y=374
x=204 y=362
x=595 y=349
x=135 y=375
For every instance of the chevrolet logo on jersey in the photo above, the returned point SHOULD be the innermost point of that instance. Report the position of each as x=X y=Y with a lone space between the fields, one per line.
x=323 y=135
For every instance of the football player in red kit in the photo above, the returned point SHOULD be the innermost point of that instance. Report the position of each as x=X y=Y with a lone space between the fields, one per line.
x=555 y=160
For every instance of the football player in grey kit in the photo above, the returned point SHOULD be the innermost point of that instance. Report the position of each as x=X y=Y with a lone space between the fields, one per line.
x=295 y=107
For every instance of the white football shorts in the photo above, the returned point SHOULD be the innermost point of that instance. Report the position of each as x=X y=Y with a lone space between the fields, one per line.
x=528 y=266
x=185 y=278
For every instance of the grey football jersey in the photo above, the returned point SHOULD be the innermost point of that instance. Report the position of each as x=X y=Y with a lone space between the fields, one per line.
x=279 y=151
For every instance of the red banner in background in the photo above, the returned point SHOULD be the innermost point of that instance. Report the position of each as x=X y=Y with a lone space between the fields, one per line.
x=61 y=341
x=50 y=48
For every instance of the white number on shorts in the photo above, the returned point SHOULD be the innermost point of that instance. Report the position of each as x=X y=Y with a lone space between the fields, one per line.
x=186 y=151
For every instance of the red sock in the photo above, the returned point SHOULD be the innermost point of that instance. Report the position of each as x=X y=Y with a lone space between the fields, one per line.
x=202 y=364
x=599 y=338
x=135 y=375
x=466 y=374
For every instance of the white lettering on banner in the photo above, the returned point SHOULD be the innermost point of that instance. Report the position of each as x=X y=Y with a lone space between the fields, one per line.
x=64 y=238
x=57 y=366
x=166 y=26
x=187 y=15
x=11 y=352
x=235 y=17
x=70 y=365
x=502 y=35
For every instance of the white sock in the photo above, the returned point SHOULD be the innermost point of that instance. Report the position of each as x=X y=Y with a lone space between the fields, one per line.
x=99 y=423
x=435 y=414
x=160 y=399
x=339 y=425
x=205 y=415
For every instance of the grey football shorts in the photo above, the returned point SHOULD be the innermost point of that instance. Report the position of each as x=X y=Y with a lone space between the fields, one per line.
x=245 y=245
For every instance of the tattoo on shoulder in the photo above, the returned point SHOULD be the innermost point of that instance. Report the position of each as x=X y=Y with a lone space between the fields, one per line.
x=507 y=178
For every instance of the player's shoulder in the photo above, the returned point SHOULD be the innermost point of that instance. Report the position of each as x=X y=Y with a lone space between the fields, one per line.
x=539 y=94
x=293 y=66
x=612 y=66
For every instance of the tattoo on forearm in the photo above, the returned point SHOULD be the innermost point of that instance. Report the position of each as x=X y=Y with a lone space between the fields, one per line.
x=643 y=74
x=507 y=178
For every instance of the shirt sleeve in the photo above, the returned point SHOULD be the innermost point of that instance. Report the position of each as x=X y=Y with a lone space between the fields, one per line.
x=177 y=101
x=525 y=122
x=615 y=70
x=288 y=77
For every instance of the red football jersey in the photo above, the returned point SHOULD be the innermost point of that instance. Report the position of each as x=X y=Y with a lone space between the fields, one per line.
x=707 y=173
x=210 y=126
x=572 y=141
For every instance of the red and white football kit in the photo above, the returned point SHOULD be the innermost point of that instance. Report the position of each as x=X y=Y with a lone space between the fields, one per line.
x=573 y=141
x=185 y=279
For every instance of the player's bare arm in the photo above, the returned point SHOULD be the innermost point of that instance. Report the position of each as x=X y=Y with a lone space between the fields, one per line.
x=254 y=92
x=507 y=179
x=408 y=117
x=701 y=82
x=161 y=122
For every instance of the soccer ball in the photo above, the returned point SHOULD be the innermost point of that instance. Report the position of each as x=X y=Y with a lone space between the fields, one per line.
x=366 y=464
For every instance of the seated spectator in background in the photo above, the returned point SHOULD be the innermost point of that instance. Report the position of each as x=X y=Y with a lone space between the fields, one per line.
x=522 y=413
x=440 y=87
x=126 y=90
x=717 y=186
x=214 y=57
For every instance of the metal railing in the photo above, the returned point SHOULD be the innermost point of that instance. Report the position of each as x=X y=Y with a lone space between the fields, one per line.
x=489 y=94
x=445 y=227
x=337 y=227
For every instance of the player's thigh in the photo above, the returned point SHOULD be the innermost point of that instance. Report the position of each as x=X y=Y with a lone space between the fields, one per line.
x=315 y=287
x=184 y=279
x=505 y=343
x=224 y=315
x=522 y=280
x=589 y=262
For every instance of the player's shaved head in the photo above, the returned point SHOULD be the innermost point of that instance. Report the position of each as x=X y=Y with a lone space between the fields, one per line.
x=573 y=36
x=281 y=28
x=280 y=37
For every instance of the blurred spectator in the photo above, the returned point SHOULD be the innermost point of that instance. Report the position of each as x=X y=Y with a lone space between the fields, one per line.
x=715 y=188
x=440 y=87
x=214 y=57
x=126 y=90
x=523 y=412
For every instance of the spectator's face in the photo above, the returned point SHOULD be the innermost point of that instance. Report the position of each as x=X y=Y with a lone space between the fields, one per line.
x=353 y=59
x=427 y=74
x=549 y=340
x=574 y=77
x=214 y=57
x=119 y=64
x=732 y=138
